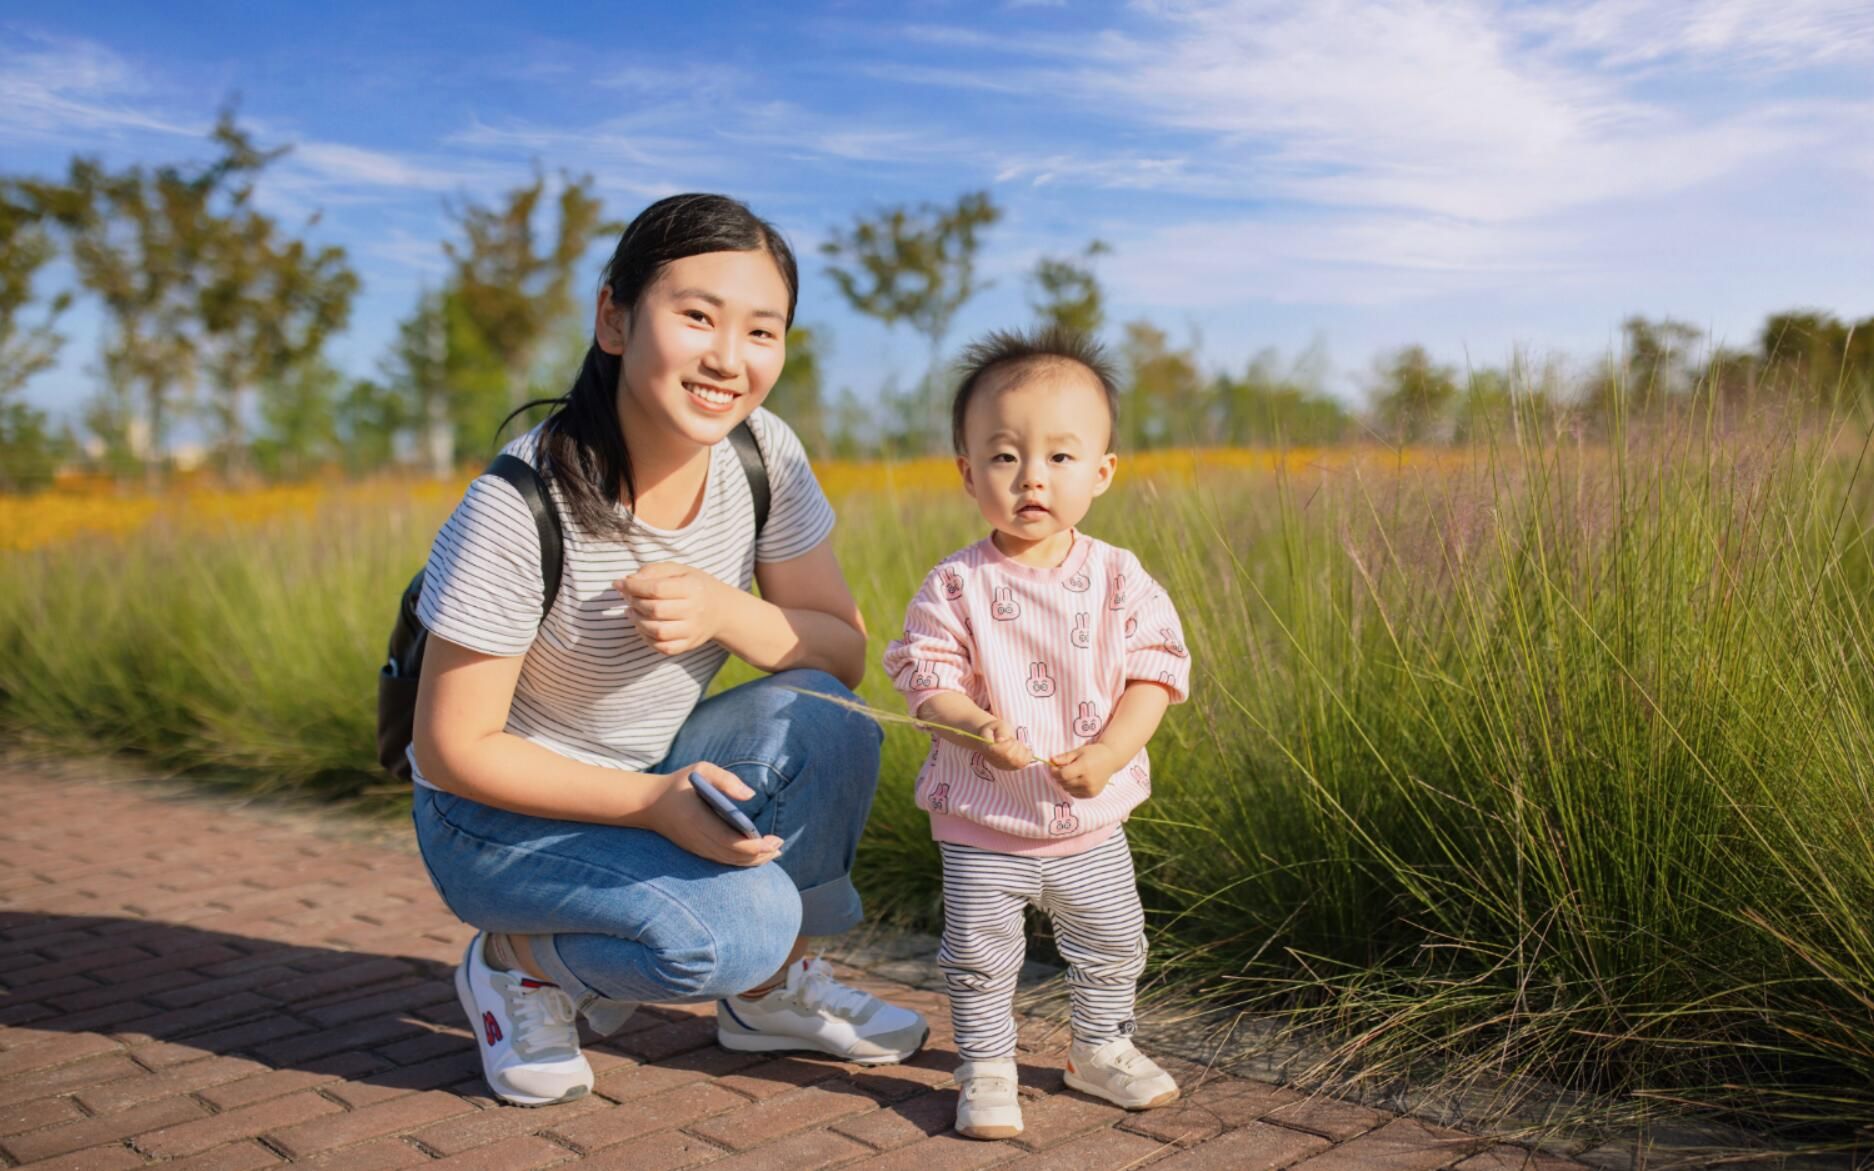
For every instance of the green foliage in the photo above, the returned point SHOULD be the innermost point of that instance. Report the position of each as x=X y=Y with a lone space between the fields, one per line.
x=1066 y=294
x=1162 y=402
x=1412 y=395
x=917 y=266
x=1272 y=407
x=796 y=393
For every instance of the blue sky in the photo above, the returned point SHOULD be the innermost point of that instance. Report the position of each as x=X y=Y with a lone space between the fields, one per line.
x=1473 y=176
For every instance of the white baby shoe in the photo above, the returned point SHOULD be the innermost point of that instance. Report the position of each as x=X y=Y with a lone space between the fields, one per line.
x=986 y=1103
x=1119 y=1073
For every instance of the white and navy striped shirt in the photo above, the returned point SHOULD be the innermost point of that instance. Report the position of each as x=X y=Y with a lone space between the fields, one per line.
x=591 y=688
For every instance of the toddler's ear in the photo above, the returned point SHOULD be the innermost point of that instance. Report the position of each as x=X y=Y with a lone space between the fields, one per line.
x=969 y=480
x=1103 y=474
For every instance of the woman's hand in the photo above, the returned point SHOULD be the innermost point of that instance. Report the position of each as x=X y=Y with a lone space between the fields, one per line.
x=1084 y=771
x=1007 y=753
x=676 y=608
x=680 y=815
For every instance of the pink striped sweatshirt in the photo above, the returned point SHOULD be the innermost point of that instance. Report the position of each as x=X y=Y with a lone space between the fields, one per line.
x=1048 y=651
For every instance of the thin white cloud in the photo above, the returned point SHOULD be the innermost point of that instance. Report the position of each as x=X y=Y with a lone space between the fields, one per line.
x=57 y=87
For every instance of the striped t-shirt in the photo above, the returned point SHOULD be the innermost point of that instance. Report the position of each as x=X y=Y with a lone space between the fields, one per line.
x=591 y=688
x=1048 y=651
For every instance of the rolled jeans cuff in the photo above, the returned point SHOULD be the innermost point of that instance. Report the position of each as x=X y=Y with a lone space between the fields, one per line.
x=548 y=957
x=831 y=908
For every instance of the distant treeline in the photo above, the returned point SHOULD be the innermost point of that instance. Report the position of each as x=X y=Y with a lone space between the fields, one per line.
x=216 y=312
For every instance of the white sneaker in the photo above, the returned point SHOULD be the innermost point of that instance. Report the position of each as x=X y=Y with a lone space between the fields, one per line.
x=524 y=1028
x=986 y=1103
x=812 y=1010
x=1119 y=1073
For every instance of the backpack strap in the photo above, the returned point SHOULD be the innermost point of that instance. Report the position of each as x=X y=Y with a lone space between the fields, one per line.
x=527 y=481
x=755 y=468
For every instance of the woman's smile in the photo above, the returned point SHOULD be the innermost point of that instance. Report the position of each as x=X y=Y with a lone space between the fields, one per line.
x=711 y=398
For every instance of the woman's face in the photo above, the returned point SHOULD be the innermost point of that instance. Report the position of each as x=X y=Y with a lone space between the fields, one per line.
x=703 y=346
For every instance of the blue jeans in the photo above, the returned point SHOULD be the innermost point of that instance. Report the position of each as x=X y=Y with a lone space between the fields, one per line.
x=626 y=914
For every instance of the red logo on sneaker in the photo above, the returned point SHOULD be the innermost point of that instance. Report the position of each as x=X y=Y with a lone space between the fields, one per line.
x=491 y=1028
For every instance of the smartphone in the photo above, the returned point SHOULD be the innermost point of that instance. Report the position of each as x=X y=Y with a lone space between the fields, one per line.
x=719 y=801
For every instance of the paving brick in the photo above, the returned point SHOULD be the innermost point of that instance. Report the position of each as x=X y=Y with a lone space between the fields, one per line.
x=361 y=1035
x=54 y=1051
x=779 y=1075
x=92 y=1132
x=784 y=1114
x=905 y=1122
x=179 y=1023
x=190 y=1138
x=245 y=1155
x=91 y=1071
x=98 y=995
x=628 y=1083
x=666 y=1150
x=1053 y=1120
x=670 y=1039
x=1326 y=1116
x=391 y=1082
x=384 y=1154
x=521 y=1153
x=944 y=1152
x=277 y=1083
x=802 y=1152
x=679 y=1107
x=360 y=972
x=468 y=1131
x=114 y=1157
x=1404 y=1144
x=183 y=1079
x=249 y=1036
x=1100 y=1150
x=394 y=1117
x=1256 y=1147
x=25 y=1116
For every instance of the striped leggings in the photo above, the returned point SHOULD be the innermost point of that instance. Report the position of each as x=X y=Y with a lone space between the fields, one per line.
x=1099 y=928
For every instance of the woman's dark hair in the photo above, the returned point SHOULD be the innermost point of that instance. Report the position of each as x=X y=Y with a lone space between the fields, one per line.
x=1017 y=354
x=582 y=444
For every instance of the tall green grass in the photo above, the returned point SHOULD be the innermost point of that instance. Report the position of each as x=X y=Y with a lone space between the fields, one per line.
x=1552 y=758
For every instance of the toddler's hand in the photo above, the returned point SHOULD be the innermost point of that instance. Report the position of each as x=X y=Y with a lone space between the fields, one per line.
x=1084 y=771
x=1007 y=753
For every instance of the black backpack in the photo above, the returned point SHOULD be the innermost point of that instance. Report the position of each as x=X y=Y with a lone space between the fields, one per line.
x=397 y=678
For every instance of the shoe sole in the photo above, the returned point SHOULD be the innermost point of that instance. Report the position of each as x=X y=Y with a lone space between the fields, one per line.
x=467 y=999
x=1075 y=1082
x=989 y=1133
x=762 y=1043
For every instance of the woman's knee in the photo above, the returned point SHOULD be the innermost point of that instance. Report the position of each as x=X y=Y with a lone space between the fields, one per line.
x=833 y=739
x=748 y=946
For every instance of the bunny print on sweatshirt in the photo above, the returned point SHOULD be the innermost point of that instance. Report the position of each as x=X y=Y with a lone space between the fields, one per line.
x=1049 y=650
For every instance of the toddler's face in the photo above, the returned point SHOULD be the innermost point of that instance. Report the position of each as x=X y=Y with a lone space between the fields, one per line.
x=1035 y=450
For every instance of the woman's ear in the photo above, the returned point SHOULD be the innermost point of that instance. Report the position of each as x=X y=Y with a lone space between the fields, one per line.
x=611 y=323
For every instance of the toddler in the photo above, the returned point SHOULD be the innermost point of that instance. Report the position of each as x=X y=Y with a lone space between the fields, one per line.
x=1064 y=653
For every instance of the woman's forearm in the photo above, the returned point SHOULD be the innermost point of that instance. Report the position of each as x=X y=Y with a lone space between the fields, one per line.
x=777 y=638
x=507 y=772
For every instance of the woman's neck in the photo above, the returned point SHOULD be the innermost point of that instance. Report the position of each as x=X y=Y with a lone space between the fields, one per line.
x=668 y=472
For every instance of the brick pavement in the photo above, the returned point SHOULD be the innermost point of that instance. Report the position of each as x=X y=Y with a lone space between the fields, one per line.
x=191 y=985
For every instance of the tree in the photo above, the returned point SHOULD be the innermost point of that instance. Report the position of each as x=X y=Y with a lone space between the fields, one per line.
x=266 y=303
x=510 y=292
x=367 y=419
x=1818 y=353
x=1066 y=294
x=29 y=452
x=193 y=279
x=1275 y=406
x=1413 y=395
x=917 y=266
x=796 y=393
x=1163 y=401
x=299 y=419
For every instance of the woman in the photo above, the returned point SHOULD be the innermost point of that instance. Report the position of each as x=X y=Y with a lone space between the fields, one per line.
x=552 y=756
